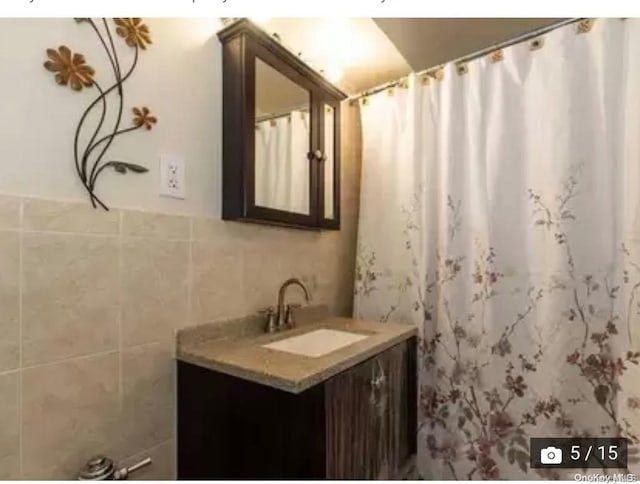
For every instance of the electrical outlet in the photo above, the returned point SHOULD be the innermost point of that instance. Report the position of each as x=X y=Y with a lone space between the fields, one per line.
x=173 y=182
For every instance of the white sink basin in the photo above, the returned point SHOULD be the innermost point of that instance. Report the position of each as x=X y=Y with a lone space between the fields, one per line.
x=316 y=343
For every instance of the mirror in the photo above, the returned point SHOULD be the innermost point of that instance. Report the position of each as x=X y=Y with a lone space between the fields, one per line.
x=329 y=160
x=282 y=141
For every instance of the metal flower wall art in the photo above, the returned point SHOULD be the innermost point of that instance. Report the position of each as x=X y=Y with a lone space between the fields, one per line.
x=94 y=134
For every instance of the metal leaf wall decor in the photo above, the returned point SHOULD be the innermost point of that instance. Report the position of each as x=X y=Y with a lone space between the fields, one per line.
x=71 y=70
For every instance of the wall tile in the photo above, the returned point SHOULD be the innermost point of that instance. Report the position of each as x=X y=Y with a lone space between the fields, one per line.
x=9 y=427
x=45 y=215
x=9 y=300
x=162 y=467
x=155 y=279
x=225 y=233
x=290 y=254
x=323 y=257
x=145 y=224
x=167 y=272
x=217 y=290
x=70 y=296
x=260 y=279
x=343 y=275
x=70 y=412
x=9 y=212
x=148 y=407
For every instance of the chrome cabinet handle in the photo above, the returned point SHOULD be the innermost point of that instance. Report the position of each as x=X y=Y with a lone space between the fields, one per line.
x=377 y=382
x=378 y=395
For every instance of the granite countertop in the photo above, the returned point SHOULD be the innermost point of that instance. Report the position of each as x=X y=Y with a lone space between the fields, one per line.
x=243 y=355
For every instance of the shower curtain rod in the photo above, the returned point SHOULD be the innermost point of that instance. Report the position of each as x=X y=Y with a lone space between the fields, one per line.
x=475 y=55
x=267 y=117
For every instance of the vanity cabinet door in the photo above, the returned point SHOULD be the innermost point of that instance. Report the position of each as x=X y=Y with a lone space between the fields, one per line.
x=353 y=425
x=371 y=416
x=399 y=421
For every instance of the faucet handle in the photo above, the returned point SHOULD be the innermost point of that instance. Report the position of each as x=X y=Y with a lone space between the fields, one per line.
x=271 y=325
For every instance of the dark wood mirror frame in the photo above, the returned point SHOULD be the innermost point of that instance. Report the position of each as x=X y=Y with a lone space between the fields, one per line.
x=242 y=43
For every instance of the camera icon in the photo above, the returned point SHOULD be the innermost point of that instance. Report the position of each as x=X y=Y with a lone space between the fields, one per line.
x=551 y=455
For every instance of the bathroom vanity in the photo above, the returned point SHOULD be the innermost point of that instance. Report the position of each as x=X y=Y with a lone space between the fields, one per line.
x=332 y=398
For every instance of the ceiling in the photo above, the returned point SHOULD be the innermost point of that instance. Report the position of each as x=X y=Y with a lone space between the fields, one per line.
x=427 y=42
x=360 y=53
x=355 y=47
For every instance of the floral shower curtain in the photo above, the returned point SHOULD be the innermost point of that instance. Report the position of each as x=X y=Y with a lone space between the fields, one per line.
x=499 y=214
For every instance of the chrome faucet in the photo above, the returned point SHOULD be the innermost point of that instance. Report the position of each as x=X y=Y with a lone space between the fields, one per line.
x=285 y=315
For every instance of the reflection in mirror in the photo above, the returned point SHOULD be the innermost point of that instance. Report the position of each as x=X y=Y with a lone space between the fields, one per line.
x=282 y=141
x=329 y=162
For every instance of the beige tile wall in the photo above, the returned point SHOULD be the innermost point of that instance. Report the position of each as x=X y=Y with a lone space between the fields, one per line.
x=89 y=305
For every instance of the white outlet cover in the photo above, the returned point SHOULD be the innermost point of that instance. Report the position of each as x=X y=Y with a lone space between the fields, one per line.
x=173 y=180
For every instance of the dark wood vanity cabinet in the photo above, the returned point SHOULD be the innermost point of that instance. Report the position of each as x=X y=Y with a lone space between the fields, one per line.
x=371 y=417
x=359 y=424
x=281 y=134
